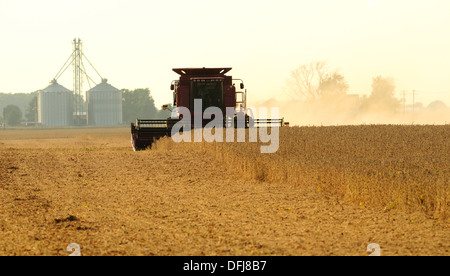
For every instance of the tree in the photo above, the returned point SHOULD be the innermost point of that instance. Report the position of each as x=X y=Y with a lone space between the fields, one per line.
x=437 y=106
x=21 y=100
x=314 y=81
x=306 y=79
x=382 y=96
x=12 y=115
x=138 y=103
x=333 y=85
x=31 y=111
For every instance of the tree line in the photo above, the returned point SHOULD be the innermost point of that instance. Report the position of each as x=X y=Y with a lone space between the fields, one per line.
x=317 y=85
x=22 y=107
x=314 y=86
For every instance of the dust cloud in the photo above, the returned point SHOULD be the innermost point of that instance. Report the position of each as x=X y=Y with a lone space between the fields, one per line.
x=354 y=110
x=318 y=95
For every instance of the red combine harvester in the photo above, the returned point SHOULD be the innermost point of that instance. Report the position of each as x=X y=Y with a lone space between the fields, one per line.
x=214 y=88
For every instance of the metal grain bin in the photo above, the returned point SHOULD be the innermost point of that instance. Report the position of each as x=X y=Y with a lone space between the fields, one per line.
x=55 y=106
x=104 y=105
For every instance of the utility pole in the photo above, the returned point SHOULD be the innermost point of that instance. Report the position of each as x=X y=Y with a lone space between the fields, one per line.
x=414 y=100
x=404 y=102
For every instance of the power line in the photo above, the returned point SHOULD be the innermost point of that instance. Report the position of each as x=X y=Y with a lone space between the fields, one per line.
x=404 y=94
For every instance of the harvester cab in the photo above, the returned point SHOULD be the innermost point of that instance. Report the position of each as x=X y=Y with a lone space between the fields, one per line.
x=214 y=89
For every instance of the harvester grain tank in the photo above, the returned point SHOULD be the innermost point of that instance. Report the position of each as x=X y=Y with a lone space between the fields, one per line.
x=214 y=88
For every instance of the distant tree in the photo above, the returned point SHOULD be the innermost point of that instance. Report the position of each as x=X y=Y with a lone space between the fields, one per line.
x=333 y=85
x=21 y=100
x=315 y=81
x=382 y=96
x=138 y=103
x=437 y=106
x=305 y=81
x=31 y=111
x=12 y=115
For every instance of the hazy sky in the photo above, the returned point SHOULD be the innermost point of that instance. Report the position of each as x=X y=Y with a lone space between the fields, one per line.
x=136 y=43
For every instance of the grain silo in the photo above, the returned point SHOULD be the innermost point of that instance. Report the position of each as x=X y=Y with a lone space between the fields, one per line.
x=55 y=106
x=104 y=105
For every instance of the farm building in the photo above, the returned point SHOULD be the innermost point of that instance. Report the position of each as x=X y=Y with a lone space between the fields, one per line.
x=104 y=105
x=55 y=106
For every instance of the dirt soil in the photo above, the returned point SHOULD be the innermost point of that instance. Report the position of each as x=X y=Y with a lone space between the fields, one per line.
x=87 y=186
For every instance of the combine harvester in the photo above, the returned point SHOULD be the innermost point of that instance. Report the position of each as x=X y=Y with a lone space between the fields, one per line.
x=215 y=89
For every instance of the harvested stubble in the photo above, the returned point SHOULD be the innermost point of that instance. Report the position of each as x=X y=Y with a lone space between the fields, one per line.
x=385 y=166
